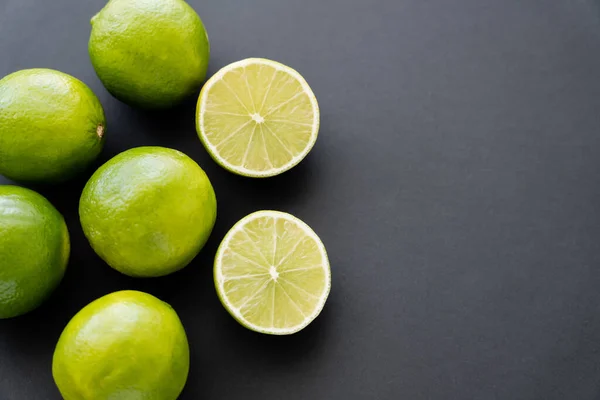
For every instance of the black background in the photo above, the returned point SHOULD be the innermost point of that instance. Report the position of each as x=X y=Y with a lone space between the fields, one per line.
x=455 y=184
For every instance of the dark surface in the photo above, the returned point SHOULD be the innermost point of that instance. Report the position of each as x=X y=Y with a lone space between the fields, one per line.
x=455 y=183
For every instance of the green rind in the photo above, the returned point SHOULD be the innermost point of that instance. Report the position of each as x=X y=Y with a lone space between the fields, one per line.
x=148 y=211
x=52 y=126
x=243 y=323
x=34 y=250
x=149 y=53
x=125 y=345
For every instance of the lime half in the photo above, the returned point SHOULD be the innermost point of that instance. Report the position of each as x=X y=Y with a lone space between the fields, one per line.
x=272 y=273
x=257 y=117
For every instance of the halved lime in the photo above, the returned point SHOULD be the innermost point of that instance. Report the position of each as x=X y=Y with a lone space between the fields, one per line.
x=257 y=117
x=272 y=273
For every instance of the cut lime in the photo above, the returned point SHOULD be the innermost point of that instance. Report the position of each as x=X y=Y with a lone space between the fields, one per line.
x=257 y=117
x=272 y=273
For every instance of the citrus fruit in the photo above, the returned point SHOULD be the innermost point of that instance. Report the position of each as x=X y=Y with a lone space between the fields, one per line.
x=148 y=211
x=34 y=250
x=272 y=273
x=149 y=53
x=51 y=126
x=257 y=117
x=125 y=345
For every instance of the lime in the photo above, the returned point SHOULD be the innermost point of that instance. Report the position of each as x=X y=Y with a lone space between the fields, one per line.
x=272 y=273
x=34 y=250
x=51 y=126
x=149 y=53
x=125 y=345
x=148 y=211
x=257 y=117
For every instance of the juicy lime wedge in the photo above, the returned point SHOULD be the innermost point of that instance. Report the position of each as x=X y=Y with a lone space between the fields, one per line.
x=272 y=273
x=257 y=117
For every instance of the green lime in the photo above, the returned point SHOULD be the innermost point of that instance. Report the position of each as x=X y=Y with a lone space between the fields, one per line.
x=125 y=345
x=148 y=211
x=51 y=126
x=149 y=53
x=34 y=250
x=257 y=117
x=272 y=273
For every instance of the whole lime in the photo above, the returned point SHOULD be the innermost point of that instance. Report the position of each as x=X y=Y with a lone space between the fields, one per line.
x=34 y=250
x=148 y=211
x=125 y=345
x=51 y=126
x=149 y=53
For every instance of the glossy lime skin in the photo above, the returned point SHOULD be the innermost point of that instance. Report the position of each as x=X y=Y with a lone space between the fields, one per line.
x=125 y=345
x=148 y=211
x=149 y=53
x=34 y=250
x=52 y=126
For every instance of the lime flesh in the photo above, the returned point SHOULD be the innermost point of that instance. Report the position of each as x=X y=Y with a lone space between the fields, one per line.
x=257 y=117
x=125 y=345
x=272 y=273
